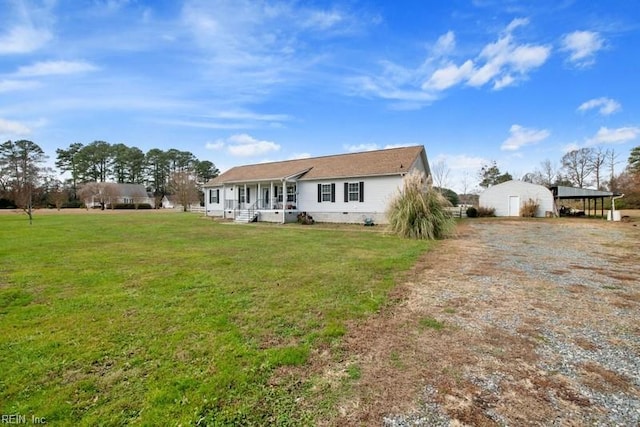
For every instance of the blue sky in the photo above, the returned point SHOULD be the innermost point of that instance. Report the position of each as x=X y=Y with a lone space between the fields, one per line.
x=239 y=82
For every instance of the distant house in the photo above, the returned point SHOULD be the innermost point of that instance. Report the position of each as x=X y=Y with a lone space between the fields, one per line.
x=169 y=202
x=109 y=194
x=345 y=188
x=508 y=198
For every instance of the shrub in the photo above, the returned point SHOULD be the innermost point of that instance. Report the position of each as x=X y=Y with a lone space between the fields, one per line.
x=472 y=212
x=131 y=206
x=418 y=211
x=484 y=211
x=71 y=204
x=529 y=208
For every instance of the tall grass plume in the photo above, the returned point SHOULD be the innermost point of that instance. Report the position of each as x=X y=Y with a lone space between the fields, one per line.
x=418 y=211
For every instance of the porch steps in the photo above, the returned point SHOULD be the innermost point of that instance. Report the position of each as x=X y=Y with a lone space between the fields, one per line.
x=244 y=216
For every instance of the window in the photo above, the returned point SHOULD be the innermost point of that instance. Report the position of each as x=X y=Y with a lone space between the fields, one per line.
x=326 y=193
x=241 y=198
x=214 y=196
x=291 y=193
x=354 y=191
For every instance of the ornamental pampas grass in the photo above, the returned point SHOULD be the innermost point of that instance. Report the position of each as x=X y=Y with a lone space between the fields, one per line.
x=418 y=211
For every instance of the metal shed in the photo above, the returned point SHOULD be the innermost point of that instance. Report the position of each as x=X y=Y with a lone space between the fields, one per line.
x=508 y=198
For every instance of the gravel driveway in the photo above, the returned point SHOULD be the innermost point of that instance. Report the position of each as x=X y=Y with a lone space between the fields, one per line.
x=513 y=322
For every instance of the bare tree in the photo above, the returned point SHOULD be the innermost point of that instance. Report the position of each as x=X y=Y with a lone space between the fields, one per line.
x=578 y=166
x=612 y=161
x=440 y=173
x=184 y=185
x=103 y=193
x=548 y=172
x=598 y=159
x=465 y=183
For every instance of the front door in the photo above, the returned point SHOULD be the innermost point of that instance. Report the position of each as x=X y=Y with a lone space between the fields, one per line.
x=514 y=205
x=266 y=203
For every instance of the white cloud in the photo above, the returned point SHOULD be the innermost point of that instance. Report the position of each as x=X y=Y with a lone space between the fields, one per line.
x=614 y=136
x=8 y=127
x=248 y=47
x=23 y=39
x=502 y=63
x=582 y=46
x=215 y=145
x=354 y=148
x=461 y=161
x=448 y=76
x=521 y=136
x=605 y=106
x=243 y=145
x=506 y=62
x=250 y=115
x=14 y=85
x=296 y=156
x=48 y=68
x=446 y=43
x=323 y=20
x=517 y=22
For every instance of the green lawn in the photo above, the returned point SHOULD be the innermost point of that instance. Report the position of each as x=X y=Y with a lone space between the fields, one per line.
x=166 y=319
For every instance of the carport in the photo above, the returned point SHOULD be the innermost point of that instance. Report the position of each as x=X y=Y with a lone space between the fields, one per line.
x=585 y=194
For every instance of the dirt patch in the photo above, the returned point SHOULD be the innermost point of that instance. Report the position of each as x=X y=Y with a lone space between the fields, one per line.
x=509 y=323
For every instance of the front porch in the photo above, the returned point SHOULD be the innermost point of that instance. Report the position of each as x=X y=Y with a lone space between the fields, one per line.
x=261 y=201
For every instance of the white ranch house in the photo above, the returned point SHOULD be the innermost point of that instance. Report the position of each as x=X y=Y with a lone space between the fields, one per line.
x=345 y=188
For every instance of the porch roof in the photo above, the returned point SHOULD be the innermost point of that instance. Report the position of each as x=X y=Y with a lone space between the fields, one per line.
x=393 y=161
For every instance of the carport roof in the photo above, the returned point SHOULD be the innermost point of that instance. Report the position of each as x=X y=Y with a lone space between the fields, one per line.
x=562 y=192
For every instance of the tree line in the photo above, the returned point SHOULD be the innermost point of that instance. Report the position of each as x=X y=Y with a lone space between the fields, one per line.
x=583 y=168
x=26 y=182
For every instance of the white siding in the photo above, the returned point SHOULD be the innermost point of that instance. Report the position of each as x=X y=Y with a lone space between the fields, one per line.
x=214 y=209
x=499 y=197
x=377 y=194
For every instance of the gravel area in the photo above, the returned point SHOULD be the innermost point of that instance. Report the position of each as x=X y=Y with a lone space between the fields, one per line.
x=542 y=328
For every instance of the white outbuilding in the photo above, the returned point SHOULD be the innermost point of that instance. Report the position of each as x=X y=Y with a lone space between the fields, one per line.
x=508 y=197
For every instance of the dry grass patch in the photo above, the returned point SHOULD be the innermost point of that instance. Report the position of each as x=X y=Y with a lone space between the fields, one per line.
x=604 y=380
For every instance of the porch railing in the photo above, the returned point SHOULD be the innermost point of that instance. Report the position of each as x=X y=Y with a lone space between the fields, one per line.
x=236 y=205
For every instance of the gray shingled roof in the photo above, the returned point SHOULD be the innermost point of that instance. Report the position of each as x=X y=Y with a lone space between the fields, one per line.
x=393 y=161
x=131 y=190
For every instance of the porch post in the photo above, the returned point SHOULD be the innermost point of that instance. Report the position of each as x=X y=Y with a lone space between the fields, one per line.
x=258 y=195
x=284 y=201
x=245 y=197
x=224 y=202
x=271 y=196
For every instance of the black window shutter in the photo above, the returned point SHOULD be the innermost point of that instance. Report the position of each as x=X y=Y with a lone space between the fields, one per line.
x=333 y=193
x=319 y=193
x=218 y=195
x=346 y=192
x=248 y=195
x=362 y=191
